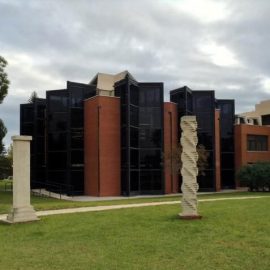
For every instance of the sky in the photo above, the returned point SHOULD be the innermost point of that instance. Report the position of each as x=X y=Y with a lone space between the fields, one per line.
x=220 y=45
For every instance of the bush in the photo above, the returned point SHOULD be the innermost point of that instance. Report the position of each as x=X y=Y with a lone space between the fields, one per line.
x=255 y=176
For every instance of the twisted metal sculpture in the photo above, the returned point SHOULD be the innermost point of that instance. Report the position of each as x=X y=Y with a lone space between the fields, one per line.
x=189 y=169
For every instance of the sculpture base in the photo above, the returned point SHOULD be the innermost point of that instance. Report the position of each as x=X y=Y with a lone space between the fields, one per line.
x=190 y=217
x=22 y=214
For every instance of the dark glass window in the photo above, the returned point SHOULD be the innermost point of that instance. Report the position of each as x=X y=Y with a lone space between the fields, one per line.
x=57 y=122
x=206 y=139
x=77 y=96
x=76 y=118
x=146 y=180
x=124 y=153
x=134 y=180
x=202 y=102
x=150 y=180
x=134 y=116
x=150 y=138
x=57 y=176
x=257 y=143
x=145 y=116
x=40 y=175
x=156 y=117
x=58 y=102
x=206 y=181
x=150 y=159
x=40 y=144
x=266 y=119
x=27 y=114
x=41 y=111
x=189 y=103
x=210 y=160
x=150 y=96
x=134 y=95
x=179 y=98
x=227 y=160
x=227 y=177
x=76 y=139
x=41 y=127
x=57 y=160
x=123 y=137
x=150 y=117
x=27 y=129
x=40 y=159
x=57 y=141
x=134 y=158
x=134 y=137
x=77 y=158
x=123 y=115
x=156 y=180
x=121 y=91
x=205 y=120
x=124 y=182
x=89 y=92
x=77 y=180
x=227 y=144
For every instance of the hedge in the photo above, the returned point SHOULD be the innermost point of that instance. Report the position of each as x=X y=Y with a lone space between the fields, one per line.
x=255 y=176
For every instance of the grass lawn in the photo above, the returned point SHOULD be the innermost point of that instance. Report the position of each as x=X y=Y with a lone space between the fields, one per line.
x=44 y=203
x=231 y=235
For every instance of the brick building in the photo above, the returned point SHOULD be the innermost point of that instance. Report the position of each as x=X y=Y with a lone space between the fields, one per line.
x=252 y=133
x=110 y=137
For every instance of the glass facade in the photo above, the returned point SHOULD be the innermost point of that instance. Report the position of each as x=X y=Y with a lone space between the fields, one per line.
x=203 y=104
x=65 y=144
x=141 y=137
x=204 y=109
x=56 y=125
x=32 y=123
x=227 y=112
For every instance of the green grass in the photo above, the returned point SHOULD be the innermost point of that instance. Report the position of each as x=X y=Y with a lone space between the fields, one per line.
x=231 y=235
x=44 y=203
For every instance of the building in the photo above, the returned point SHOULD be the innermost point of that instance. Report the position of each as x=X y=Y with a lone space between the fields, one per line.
x=215 y=119
x=252 y=133
x=110 y=137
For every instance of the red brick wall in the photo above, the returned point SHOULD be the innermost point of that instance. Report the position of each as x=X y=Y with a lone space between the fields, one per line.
x=170 y=142
x=242 y=156
x=102 y=154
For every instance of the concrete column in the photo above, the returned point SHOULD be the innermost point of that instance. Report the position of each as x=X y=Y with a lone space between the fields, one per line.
x=189 y=169
x=22 y=210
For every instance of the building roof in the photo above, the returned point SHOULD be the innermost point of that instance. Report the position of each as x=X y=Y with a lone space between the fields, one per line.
x=105 y=82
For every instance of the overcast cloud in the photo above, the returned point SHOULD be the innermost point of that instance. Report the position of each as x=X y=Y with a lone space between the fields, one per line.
x=204 y=44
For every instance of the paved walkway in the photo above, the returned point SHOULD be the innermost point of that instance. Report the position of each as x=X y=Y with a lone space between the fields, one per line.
x=122 y=206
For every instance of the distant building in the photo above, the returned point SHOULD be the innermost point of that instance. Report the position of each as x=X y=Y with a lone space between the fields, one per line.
x=109 y=137
x=252 y=133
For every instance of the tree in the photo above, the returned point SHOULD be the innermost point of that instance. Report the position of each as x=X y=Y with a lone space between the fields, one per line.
x=5 y=167
x=173 y=160
x=33 y=97
x=3 y=132
x=4 y=82
x=6 y=161
x=10 y=152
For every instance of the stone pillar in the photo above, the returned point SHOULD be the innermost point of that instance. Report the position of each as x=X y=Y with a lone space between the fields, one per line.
x=189 y=169
x=22 y=210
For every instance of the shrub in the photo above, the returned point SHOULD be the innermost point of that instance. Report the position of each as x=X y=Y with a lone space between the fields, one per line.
x=255 y=176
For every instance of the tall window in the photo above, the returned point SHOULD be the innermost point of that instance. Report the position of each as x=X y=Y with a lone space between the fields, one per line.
x=257 y=143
